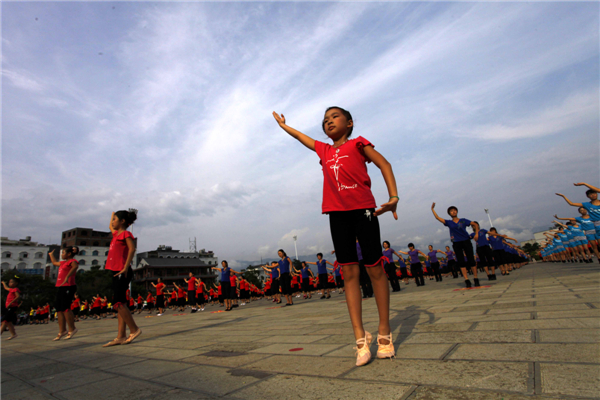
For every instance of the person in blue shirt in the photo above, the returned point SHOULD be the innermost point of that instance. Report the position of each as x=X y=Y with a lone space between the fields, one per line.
x=322 y=272
x=592 y=207
x=587 y=226
x=578 y=241
x=306 y=274
x=484 y=251
x=461 y=241
x=274 y=270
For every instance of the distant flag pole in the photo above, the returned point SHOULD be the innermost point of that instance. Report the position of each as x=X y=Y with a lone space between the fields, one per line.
x=296 y=247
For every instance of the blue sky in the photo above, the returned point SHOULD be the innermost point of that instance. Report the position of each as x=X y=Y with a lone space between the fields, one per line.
x=167 y=108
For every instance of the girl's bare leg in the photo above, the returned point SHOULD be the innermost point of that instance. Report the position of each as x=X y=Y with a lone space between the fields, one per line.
x=127 y=318
x=62 y=323
x=70 y=320
x=354 y=299
x=381 y=290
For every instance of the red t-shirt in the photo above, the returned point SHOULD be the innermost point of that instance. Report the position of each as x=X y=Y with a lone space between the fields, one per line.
x=232 y=280
x=192 y=283
x=12 y=294
x=200 y=288
x=47 y=310
x=149 y=299
x=127 y=293
x=346 y=183
x=180 y=293
x=131 y=301
x=295 y=280
x=211 y=292
x=159 y=288
x=96 y=303
x=118 y=251
x=174 y=295
x=219 y=292
x=63 y=271
x=140 y=298
x=75 y=304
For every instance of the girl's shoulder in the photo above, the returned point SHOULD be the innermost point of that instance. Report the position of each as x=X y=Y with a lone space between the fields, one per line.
x=123 y=235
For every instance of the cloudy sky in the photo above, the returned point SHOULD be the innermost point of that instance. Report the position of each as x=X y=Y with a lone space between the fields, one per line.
x=167 y=108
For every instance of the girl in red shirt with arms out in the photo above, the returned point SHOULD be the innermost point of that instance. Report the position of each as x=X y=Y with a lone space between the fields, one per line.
x=120 y=255
x=348 y=200
x=66 y=290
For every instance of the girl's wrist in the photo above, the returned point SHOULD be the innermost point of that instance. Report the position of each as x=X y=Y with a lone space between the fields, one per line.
x=394 y=197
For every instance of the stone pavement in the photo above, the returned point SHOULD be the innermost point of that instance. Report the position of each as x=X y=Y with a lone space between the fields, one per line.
x=533 y=334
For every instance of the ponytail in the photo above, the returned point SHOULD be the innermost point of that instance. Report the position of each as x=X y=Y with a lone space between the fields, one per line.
x=129 y=216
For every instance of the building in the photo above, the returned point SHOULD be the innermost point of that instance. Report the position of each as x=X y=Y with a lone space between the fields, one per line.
x=93 y=246
x=173 y=266
x=24 y=255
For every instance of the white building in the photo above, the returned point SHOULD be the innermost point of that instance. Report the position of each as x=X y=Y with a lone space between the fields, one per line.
x=24 y=255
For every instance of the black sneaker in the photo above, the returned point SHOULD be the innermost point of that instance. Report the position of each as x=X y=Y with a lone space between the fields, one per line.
x=468 y=283
x=476 y=282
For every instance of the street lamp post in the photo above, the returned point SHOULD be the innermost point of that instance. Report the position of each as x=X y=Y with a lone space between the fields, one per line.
x=488 y=214
x=296 y=247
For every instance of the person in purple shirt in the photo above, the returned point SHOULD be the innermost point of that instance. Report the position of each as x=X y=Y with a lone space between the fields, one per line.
x=461 y=241
x=451 y=259
x=435 y=264
x=390 y=266
x=484 y=251
x=416 y=269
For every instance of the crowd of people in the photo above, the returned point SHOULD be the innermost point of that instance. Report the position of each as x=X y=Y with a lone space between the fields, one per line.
x=364 y=266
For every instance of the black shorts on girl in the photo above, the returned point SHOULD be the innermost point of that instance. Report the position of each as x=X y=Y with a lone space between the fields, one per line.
x=226 y=290
x=285 y=281
x=160 y=300
x=346 y=227
x=64 y=298
x=120 y=285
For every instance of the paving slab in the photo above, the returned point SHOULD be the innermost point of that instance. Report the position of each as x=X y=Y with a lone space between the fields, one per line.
x=148 y=369
x=437 y=393
x=212 y=380
x=307 y=349
x=570 y=335
x=565 y=323
x=26 y=394
x=562 y=352
x=115 y=388
x=570 y=379
x=523 y=336
x=304 y=365
x=291 y=387
x=470 y=374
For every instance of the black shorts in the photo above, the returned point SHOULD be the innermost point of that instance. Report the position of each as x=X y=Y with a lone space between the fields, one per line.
x=346 y=227
x=339 y=282
x=225 y=289
x=275 y=286
x=120 y=284
x=9 y=314
x=306 y=285
x=160 y=301
x=191 y=297
x=75 y=311
x=404 y=272
x=200 y=298
x=285 y=281
x=499 y=257
x=323 y=281
x=64 y=298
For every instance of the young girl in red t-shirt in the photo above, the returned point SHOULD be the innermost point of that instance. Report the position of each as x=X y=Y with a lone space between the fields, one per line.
x=348 y=200
x=120 y=255
x=65 y=282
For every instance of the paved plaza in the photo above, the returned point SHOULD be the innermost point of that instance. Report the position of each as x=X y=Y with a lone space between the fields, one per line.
x=533 y=334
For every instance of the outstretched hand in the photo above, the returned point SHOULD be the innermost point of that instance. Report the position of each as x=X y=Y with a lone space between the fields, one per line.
x=389 y=206
x=579 y=184
x=433 y=206
x=279 y=118
x=560 y=194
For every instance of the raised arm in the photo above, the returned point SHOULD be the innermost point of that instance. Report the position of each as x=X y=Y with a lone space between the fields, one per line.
x=301 y=137
x=561 y=224
x=437 y=216
x=5 y=286
x=564 y=219
x=403 y=252
x=569 y=201
x=52 y=259
x=390 y=181
x=439 y=251
x=329 y=263
x=311 y=262
x=588 y=185
x=423 y=254
x=112 y=230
